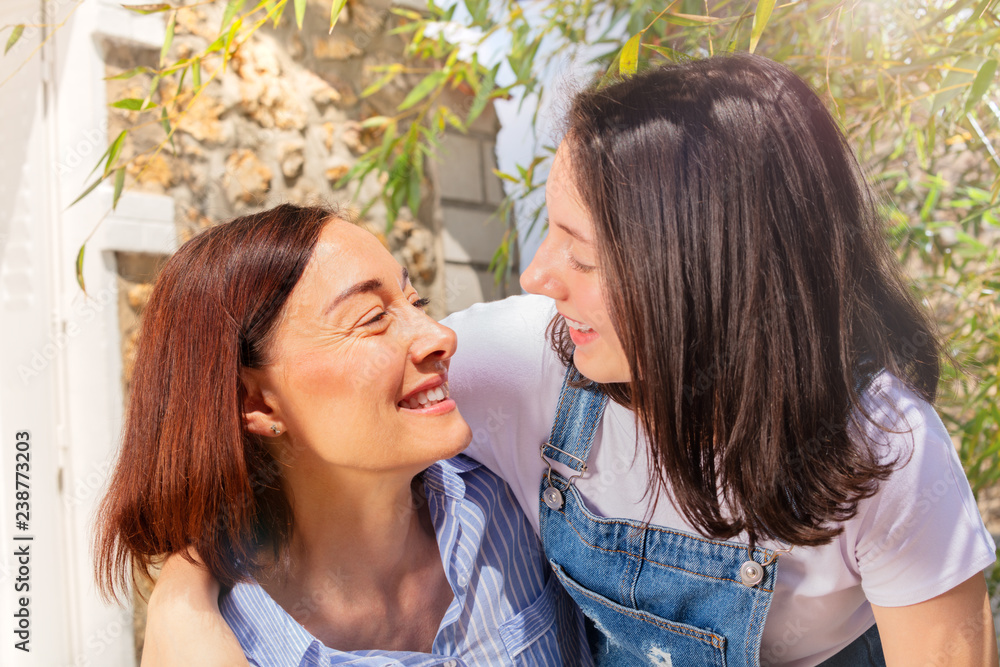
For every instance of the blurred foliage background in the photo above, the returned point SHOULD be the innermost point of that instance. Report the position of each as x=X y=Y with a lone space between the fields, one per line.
x=911 y=81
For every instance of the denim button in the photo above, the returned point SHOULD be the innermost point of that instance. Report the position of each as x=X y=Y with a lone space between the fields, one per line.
x=751 y=573
x=553 y=498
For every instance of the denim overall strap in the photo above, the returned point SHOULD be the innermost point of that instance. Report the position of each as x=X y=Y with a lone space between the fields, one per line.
x=577 y=417
x=652 y=595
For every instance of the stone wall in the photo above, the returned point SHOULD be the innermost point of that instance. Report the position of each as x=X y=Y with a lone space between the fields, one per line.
x=283 y=124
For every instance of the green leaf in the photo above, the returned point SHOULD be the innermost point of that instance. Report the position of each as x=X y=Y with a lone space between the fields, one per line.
x=168 y=38
x=300 y=12
x=482 y=96
x=150 y=8
x=376 y=121
x=378 y=85
x=689 y=19
x=984 y=78
x=232 y=7
x=196 y=74
x=165 y=122
x=760 y=19
x=666 y=52
x=15 y=35
x=119 y=186
x=129 y=104
x=114 y=151
x=79 y=267
x=628 y=62
x=956 y=80
x=335 y=9
x=90 y=188
x=129 y=74
x=423 y=89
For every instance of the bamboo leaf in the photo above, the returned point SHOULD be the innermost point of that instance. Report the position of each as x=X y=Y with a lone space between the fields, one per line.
x=666 y=52
x=335 y=9
x=960 y=75
x=114 y=151
x=689 y=19
x=375 y=121
x=423 y=89
x=629 y=60
x=760 y=18
x=232 y=7
x=154 y=8
x=90 y=188
x=119 y=186
x=165 y=122
x=129 y=74
x=79 y=267
x=129 y=104
x=196 y=74
x=378 y=85
x=984 y=78
x=15 y=35
x=300 y=12
x=482 y=96
x=168 y=38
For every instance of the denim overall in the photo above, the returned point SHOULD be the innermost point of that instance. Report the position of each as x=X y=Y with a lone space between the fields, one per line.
x=655 y=595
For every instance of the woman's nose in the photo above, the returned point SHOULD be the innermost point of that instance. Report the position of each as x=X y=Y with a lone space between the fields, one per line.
x=541 y=276
x=433 y=342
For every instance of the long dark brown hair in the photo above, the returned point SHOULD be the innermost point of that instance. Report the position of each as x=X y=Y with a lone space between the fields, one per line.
x=189 y=473
x=749 y=280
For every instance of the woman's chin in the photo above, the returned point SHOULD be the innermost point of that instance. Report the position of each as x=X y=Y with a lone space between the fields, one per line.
x=600 y=368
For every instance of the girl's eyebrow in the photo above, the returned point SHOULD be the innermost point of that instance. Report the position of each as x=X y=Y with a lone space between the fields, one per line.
x=575 y=234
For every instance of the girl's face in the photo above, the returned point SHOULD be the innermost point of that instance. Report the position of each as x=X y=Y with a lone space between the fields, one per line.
x=566 y=268
x=358 y=372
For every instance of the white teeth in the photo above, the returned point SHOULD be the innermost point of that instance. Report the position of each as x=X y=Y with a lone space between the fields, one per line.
x=427 y=398
x=576 y=325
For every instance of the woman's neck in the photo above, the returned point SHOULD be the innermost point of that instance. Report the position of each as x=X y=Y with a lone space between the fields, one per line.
x=363 y=559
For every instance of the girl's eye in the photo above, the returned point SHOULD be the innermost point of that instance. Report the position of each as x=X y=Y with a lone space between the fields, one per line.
x=583 y=268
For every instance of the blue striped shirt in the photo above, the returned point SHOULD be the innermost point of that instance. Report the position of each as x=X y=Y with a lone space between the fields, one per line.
x=508 y=607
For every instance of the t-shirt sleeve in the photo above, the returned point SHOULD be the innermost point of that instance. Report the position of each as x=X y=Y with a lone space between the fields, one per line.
x=921 y=534
x=505 y=379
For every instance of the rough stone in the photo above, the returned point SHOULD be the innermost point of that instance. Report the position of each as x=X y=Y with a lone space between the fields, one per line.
x=335 y=172
x=151 y=172
x=334 y=48
x=268 y=97
x=138 y=296
x=329 y=133
x=351 y=135
x=321 y=92
x=291 y=154
x=247 y=180
x=202 y=120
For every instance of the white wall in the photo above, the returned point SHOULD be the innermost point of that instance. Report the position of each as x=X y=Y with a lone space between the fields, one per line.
x=60 y=361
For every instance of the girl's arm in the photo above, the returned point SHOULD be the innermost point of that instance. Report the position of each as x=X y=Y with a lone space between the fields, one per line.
x=184 y=627
x=954 y=628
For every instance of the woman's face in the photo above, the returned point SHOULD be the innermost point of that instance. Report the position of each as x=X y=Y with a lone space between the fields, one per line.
x=358 y=372
x=566 y=269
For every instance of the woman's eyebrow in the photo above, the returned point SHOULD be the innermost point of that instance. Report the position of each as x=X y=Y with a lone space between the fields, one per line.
x=364 y=287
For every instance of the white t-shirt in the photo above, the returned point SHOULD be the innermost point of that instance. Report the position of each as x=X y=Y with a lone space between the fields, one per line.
x=918 y=537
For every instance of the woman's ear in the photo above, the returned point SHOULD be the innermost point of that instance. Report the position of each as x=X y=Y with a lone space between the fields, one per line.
x=260 y=413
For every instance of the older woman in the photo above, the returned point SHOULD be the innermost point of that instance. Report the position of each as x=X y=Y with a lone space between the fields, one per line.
x=288 y=416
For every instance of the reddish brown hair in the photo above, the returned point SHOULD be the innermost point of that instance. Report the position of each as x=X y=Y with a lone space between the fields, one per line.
x=189 y=473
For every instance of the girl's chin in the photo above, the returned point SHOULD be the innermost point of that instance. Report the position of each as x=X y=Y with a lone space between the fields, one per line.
x=599 y=368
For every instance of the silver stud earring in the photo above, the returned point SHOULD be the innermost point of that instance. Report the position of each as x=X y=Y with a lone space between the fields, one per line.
x=274 y=427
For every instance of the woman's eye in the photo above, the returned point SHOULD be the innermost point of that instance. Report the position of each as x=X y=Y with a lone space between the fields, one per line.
x=422 y=303
x=375 y=320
